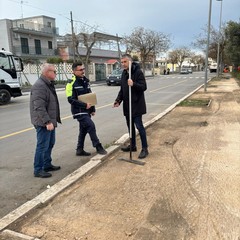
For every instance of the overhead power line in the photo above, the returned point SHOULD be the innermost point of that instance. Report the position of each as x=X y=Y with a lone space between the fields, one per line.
x=24 y=3
x=29 y=5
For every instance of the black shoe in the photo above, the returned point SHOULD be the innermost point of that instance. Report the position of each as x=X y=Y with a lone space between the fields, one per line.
x=42 y=174
x=100 y=149
x=81 y=152
x=127 y=149
x=52 y=168
x=143 y=153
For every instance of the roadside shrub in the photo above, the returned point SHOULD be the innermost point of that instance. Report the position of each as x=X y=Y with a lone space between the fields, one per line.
x=236 y=73
x=54 y=60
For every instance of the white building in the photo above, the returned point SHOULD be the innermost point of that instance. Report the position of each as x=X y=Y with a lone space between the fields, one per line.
x=29 y=38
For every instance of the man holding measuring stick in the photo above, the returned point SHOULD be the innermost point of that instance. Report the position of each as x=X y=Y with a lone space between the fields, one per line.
x=133 y=85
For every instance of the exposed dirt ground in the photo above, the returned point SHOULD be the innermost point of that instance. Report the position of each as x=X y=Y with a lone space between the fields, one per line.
x=189 y=187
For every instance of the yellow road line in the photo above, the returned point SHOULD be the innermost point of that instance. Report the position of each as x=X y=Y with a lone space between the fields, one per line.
x=15 y=133
x=107 y=105
x=28 y=129
x=155 y=90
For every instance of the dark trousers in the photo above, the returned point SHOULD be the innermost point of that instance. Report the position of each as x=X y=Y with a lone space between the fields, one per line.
x=137 y=121
x=45 y=143
x=86 y=125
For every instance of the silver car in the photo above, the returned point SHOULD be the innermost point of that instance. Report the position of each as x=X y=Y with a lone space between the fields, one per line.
x=184 y=71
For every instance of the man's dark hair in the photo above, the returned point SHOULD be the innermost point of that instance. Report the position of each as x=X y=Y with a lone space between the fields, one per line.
x=74 y=66
x=127 y=56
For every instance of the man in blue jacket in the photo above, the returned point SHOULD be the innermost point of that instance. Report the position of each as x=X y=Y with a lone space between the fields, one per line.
x=138 y=86
x=82 y=111
x=45 y=114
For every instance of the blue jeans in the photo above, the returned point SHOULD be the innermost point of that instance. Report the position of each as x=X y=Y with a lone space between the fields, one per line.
x=139 y=125
x=45 y=143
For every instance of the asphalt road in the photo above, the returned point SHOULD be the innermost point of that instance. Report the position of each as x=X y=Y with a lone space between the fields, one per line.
x=18 y=138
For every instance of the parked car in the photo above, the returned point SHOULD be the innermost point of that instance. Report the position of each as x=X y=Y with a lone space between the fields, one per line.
x=114 y=77
x=189 y=70
x=184 y=71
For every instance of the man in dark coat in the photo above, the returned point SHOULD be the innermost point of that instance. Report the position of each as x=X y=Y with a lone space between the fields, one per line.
x=45 y=114
x=138 y=86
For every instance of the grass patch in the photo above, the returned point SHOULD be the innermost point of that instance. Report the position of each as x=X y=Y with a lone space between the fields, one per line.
x=217 y=78
x=194 y=103
x=107 y=145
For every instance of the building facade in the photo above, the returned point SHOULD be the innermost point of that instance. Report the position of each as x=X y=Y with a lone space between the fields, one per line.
x=32 y=38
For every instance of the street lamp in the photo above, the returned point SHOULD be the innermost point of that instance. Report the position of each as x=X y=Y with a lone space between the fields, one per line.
x=73 y=38
x=219 y=39
x=207 y=49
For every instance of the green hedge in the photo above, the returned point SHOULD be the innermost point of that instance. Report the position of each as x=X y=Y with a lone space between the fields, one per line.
x=236 y=75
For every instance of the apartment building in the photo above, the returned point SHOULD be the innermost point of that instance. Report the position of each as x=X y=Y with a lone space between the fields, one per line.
x=32 y=38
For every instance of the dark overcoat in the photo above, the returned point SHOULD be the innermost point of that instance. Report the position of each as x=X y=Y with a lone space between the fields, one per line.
x=137 y=91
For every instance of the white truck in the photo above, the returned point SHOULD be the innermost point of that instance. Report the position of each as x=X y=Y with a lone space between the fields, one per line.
x=10 y=68
x=213 y=67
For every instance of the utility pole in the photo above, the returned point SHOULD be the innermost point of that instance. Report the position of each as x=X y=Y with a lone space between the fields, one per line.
x=153 y=61
x=119 y=52
x=22 y=2
x=208 y=38
x=73 y=38
x=219 y=39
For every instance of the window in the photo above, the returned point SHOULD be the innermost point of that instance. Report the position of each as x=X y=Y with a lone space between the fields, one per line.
x=49 y=24
x=7 y=65
x=50 y=45
x=38 y=49
x=117 y=71
x=4 y=61
x=24 y=45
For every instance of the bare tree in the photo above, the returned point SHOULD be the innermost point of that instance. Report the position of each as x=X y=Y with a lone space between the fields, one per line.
x=178 y=55
x=198 y=60
x=88 y=40
x=215 y=38
x=147 y=42
x=173 y=58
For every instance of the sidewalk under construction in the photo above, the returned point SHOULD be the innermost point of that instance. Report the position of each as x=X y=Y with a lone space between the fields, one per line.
x=188 y=188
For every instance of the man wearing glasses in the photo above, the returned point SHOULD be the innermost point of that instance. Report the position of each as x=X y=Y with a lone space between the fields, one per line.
x=45 y=114
x=82 y=111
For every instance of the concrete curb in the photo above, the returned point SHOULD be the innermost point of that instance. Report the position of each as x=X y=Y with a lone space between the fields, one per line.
x=94 y=162
x=47 y=194
x=17 y=236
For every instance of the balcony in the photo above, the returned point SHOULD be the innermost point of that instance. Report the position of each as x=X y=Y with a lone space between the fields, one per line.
x=34 y=28
x=45 y=52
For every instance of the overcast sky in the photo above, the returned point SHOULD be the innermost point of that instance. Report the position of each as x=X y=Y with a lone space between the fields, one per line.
x=183 y=20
